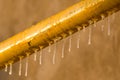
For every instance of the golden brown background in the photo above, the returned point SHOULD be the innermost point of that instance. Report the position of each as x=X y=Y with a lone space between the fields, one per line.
x=99 y=61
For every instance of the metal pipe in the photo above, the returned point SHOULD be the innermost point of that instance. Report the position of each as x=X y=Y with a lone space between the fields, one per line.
x=55 y=28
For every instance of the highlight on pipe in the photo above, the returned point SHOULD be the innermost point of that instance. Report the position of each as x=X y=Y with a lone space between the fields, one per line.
x=51 y=39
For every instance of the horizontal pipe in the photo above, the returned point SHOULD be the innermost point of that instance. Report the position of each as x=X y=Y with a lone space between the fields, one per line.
x=55 y=28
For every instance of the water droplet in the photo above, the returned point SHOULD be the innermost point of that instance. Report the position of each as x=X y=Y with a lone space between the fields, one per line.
x=40 y=57
x=6 y=67
x=108 y=23
x=70 y=43
x=63 y=48
x=26 y=65
x=10 y=71
x=89 y=36
x=78 y=40
x=54 y=53
x=20 y=66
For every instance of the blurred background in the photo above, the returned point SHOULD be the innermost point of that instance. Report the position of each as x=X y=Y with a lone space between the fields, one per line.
x=98 y=61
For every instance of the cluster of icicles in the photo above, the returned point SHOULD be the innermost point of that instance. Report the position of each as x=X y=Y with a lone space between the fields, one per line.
x=63 y=48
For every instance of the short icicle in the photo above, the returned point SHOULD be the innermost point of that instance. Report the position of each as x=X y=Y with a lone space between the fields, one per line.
x=84 y=29
x=95 y=24
x=108 y=23
x=49 y=48
x=10 y=71
x=6 y=67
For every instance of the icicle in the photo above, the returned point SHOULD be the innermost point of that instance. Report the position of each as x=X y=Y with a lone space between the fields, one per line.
x=10 y=71
x=84 y=28
x=63 y=48
x=35 y=55
x=26 y=65
x=78 y=39
x=102 y=27
x=54 y=53
x=40 y=57
x=49 y=48
x=78 y=42
x=70 y=43
x=20 y=66
x=113 y=16
x=6 y=67
x=95 y=24
x=108 y=22
x=89 y=36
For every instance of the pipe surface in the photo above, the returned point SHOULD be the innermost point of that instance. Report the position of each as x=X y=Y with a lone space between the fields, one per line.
x=55 y=28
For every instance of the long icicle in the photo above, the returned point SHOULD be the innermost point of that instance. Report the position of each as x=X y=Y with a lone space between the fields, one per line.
x=20 y=66
x=26 y=65
x=95 y=25
x=54 y=53
x=35 y=55
x=63 y=48
x=40 y=57
x=108 y=24
x=78 y=39
x=70 y=42
x=89 y=35
x=102 y=26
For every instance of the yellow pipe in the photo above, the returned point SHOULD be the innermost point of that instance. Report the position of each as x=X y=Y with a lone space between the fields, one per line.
x=55 y=28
